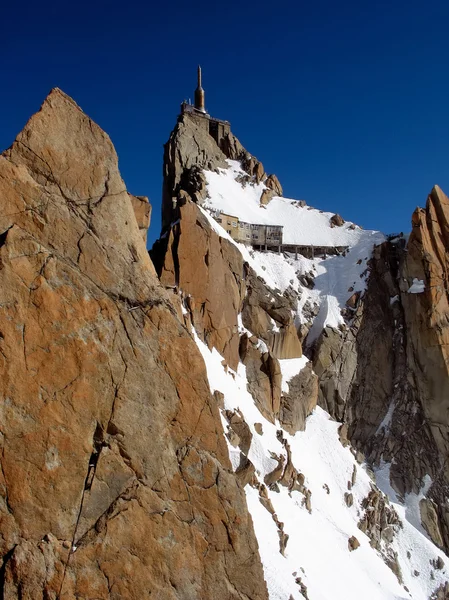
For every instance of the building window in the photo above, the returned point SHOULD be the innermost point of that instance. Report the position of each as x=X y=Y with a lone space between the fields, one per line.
x=234 y=223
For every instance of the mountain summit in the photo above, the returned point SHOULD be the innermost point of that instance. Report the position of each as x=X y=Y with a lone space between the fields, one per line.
x=328 y=315
x=259 y=412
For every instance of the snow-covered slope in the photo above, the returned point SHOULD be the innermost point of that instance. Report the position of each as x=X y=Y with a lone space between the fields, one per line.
x=305 y=535
x=303 y=225
x=335 y=278
x=317 y=554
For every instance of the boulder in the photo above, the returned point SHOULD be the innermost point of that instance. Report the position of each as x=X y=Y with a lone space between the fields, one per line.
x=353 y=543
x=266 y=196
x=272 y=183
x=336 y=220
x=299 y=402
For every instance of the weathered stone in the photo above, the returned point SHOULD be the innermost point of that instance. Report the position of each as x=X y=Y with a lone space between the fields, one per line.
x=353 y=543
x=142 y=212
x=202 y=264
x=238 y=424
x=264 y=378
x=349 y=499
x=283 y=539
x=189 y=149
x=335 y=362
x=299 y=402
x=285 y=342
x=380 y=523
x=245 y=472
x=276 y=474
x=113 y=439
x=336 y=221
x=258 y=427
x=266 y=196
x=441 y=593
x=272 y=183
x=353 y=300
x=219 y=397
x=429 y=520
x=343 y=434
x=354 y=475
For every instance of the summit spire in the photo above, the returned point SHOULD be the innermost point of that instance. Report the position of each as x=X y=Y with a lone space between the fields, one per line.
x=199 y=94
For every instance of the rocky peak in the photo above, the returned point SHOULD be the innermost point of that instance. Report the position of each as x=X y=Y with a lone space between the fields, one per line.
x=115 y=481
x=190 y=149
x=190 y=256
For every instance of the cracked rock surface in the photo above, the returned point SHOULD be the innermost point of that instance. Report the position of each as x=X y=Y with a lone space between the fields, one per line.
x=115 y=481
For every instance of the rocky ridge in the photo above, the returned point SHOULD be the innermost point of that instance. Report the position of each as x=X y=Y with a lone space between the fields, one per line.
x=193 y=258
x=374 y=374
x=115 y=479
x=387 y=374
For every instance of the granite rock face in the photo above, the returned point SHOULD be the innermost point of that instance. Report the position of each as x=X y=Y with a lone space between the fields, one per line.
x=189 y=150
x=115 y=481
x=386 y=375
x=299 y=402
x=142 y=212
x=209 y=269
x=427 y=323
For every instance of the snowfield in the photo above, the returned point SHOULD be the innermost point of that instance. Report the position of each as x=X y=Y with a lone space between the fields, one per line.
x=317 y=555
x=336 y=278
x=317 y=549
x=304 y=226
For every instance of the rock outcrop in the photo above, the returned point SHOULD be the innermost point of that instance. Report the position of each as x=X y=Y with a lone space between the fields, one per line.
x=115 y=481
x=216 y=284
x=427 y=324
x=142 y=212
x=386 y=373
x=264 y=377
x=189 y=150
x=299 y=402
x=203 y=265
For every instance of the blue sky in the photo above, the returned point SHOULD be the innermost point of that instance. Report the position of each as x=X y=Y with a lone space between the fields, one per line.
x=346 y=102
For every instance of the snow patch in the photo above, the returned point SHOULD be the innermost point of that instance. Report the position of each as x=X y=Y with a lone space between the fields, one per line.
x=417 y=286
x=291 y=367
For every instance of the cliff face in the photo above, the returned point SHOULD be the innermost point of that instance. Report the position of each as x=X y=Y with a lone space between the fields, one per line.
x=390 y=383
x=426 y=316
x=122 y=476
x=115 y=477
x=216 y=281
x=387 y=377
x=382 y=373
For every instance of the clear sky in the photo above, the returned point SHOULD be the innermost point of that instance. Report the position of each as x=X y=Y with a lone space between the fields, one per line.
x=347 y=102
